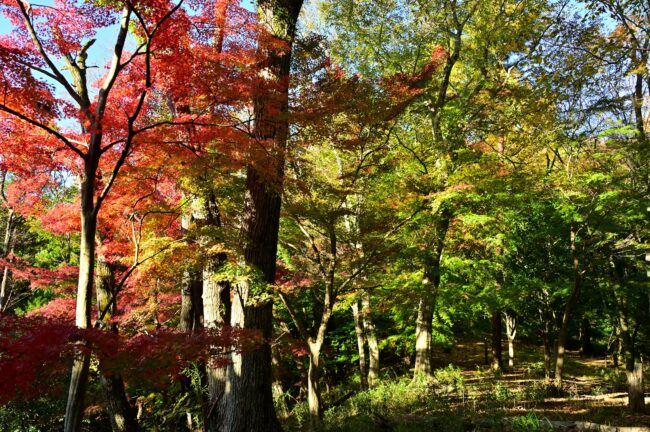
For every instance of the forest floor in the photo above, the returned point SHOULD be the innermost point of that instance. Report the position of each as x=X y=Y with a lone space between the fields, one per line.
x=595 y=391
x=468 y=396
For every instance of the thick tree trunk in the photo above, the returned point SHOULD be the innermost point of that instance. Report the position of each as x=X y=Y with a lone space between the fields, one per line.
x=371 y=338
x=633 y=362
x=423 y=331
x=278 y=390
x=216 y=312
x=497 y=330
x=568 y=312
x=247 y=405
x=247 y=402
x=120 y=412
x=511 y=332
x=635 y=385
x=427 y=303
x=191 y=287
x=361 y=344
x=633 y=369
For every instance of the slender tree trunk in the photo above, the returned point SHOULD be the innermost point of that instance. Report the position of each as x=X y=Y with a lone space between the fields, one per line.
x=361 y=344
x=586 y=348
x=568 y=312
x=511 y=332
x=618 y=348
x=247 y=405
x=7 y=249
x=546 y=335
x=81 y=363
x=497 y=330
x=371 y=338
x=313 y=387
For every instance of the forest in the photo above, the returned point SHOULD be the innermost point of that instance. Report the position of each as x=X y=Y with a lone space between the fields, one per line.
x=316 y=215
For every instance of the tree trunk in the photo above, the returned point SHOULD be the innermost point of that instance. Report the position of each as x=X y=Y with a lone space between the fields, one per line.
x=568 y=312
x=546 y=335
x=633 y=363
x=81 y=363
x=190 y=305
x=361 y=344
x=120 y=412
x=426 y=306
x=247 y=402
x=497 y=357
x=313 y=387
x=618 y=349
x=191 y=291
x=216 y=311
x=371 y=338
x=633 y=369
x=278 y=390
x=423 y=331
x=7 y=249
x=635 y=385
x=247 y=405
x=586 y=348
x=511 y=332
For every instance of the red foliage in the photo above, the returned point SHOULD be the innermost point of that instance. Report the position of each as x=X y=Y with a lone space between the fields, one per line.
x=35 y=353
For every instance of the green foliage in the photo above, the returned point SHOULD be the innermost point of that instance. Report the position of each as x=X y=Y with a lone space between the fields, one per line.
x=388 y=399
x=531 y=422
x=167 y=409
x=39 y=415
x=451 y=379
x=38 y=298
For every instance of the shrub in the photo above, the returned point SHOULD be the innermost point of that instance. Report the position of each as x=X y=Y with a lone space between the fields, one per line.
x=531 y=423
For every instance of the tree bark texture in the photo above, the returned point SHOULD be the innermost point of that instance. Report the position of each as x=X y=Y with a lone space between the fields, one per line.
x=7 y=249
x=371 y=338
x=81 y=363
x=247 y=403
x=586 y=347
x=361 y=344
x=313 y=387
x=511 y=332
x=627 y=333
x=120 y=413
x=497 y=330
x=426 y=305
x=568 y=311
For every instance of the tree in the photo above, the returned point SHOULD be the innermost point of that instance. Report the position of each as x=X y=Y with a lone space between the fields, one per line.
x=247 y=404
x=112 y=122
